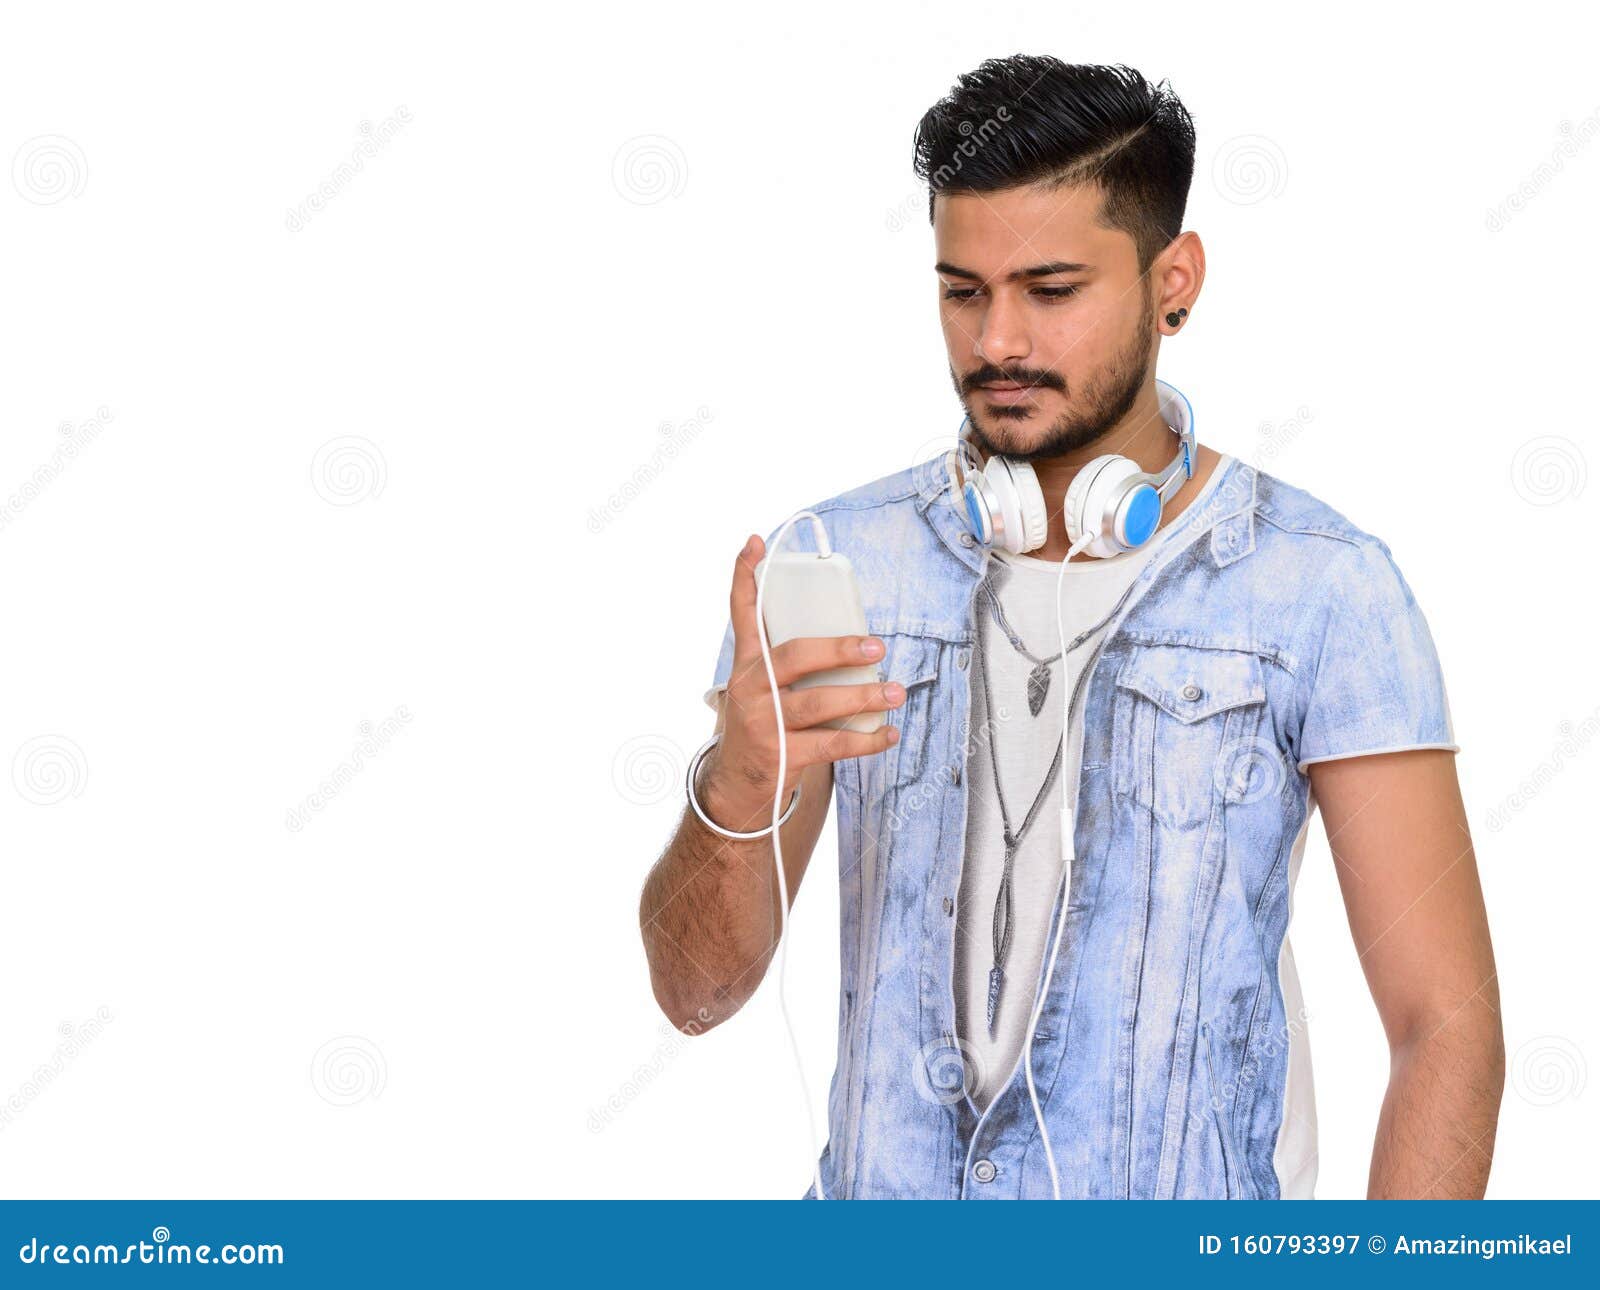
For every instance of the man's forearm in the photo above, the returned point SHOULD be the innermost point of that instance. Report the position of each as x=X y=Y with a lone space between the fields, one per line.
x=708 y=918
x=1436 y=1131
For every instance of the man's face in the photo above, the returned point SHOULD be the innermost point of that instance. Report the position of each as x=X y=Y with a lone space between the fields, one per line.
x=1075 y=329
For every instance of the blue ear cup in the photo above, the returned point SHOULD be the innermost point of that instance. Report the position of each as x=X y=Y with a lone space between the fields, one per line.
x=977 y=512
x=1005 y=506
x=977 y=515
x=1139 y=518
x=1112 y=498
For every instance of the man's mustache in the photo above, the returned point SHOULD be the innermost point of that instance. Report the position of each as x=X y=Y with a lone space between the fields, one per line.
x=994 y=376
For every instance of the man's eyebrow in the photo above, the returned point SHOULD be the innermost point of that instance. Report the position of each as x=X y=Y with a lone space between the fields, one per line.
x=1016 y=275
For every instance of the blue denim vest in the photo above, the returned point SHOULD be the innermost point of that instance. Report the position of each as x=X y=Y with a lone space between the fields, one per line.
x=1267 y=632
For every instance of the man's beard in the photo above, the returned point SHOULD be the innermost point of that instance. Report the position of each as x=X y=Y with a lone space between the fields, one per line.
x=1106 y=399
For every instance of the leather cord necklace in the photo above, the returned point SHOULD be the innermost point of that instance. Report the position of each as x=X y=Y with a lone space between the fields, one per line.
x=1002 y=923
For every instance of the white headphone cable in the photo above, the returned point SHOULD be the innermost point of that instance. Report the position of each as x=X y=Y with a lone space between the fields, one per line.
x=1068 y=794
x=823 y=551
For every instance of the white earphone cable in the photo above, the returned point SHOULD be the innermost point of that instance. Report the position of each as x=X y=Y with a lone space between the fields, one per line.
x=823 y=550
x=1068 y=792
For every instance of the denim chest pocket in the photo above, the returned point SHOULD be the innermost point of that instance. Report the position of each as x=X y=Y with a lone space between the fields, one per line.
x=1185 y=729
x=913 y=661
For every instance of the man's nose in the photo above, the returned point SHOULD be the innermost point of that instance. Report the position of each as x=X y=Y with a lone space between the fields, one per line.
x=1003 y=338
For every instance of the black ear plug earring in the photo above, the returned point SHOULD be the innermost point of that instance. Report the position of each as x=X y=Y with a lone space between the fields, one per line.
x=1174 y=319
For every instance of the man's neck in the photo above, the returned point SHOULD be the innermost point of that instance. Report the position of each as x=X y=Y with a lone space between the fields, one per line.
x=1141 y=435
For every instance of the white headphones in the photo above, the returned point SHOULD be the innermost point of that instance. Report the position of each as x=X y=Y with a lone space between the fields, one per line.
x=1110 y=498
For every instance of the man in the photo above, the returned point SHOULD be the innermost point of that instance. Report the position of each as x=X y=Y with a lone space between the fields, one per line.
x=1257 y=659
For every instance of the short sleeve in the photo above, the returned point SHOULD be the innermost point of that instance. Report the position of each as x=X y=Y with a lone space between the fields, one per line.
x=723 y=669
x=1377 y=686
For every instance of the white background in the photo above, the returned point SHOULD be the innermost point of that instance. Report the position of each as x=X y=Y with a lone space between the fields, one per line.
x=471 y=449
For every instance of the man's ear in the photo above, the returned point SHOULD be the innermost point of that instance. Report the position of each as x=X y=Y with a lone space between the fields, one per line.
x=1181 y=272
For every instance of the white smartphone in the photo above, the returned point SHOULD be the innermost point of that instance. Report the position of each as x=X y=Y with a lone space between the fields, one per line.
x=809 y=595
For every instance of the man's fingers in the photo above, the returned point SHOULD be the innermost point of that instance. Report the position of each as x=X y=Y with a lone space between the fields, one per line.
x=835 y=745
x=742 y=601
x=813 y=705
x=807 y=654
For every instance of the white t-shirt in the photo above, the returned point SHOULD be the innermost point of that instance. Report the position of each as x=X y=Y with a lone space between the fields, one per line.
x=1019 y=745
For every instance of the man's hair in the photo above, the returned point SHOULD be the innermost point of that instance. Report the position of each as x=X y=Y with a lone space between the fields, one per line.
x=1029 y=119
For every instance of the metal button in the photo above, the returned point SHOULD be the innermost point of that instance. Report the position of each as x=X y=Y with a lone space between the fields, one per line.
x=949 y=905
x=1191 y=692
x=967 y=539
x=961 y=660
x=984 y=1171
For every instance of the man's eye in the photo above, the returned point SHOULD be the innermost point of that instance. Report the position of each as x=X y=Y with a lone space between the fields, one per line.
x=1048 y=293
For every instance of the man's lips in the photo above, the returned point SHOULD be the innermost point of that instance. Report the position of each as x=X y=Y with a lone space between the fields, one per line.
x=1008 y=392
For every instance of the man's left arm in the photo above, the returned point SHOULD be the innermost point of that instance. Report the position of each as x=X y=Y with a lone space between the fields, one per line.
x=1398 y=832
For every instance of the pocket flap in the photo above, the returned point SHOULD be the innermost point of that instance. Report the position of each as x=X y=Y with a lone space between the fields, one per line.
x=1192 y=683
x=912 y=660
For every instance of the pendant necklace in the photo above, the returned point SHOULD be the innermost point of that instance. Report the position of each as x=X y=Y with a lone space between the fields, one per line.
x=1002 y=924
x=1039 y=678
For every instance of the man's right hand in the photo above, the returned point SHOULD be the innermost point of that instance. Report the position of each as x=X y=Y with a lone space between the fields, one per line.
x=739 y=776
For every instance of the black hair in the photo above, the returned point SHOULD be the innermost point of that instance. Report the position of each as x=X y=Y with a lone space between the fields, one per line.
x=1032 y=118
